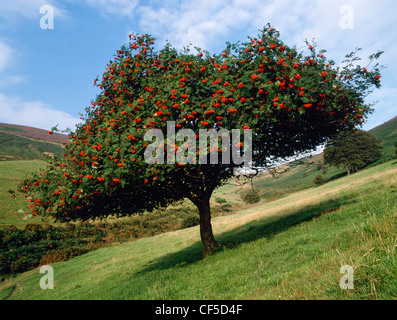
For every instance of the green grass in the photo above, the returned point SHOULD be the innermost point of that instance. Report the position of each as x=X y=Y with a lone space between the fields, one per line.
x=22 y=250
x=12 y=172
x=297 y=178
x=291 y=248
x=20 y=148
x=387 y=132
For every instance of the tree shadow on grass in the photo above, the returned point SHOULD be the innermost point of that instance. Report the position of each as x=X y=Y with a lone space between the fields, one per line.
x=337 y=176
x=254 y=230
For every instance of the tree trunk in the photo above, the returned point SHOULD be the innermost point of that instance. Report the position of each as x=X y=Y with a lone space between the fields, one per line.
x=348 y=167
x=210 y=245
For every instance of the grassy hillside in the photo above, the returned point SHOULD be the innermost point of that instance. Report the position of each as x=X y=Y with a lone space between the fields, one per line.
x=291 y=248
x=290 y=245
x=25 y=241
x=33 y=133
x=300 y=174
x=13 y=147
x=11 y=172
x=387 y=132
x=23 y=143
x=292 y=177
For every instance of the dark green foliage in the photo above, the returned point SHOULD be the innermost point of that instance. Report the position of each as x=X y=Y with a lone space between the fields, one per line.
x=353 y=150
x=251 y=197
x=227 y=207
x=22 y=250
x=318 y=180
x=220 y=200
x=190 y=221
x=36 y=244
x=395 y=148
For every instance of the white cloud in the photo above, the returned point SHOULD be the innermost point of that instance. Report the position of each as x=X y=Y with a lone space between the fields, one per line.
x=191 y=22
x=34 y=113
x=208 y=22
x=7 y=59
x=30 y=9
x=6 y=54
x=11 y=80
x=205 y=22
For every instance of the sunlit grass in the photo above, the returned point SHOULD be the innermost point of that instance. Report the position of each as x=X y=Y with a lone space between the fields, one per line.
x=291 y=248
x=11 y=173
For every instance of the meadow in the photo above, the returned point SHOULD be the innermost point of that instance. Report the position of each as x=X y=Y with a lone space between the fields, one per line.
x=288 y=248
x=289 y=245
x=12 y=172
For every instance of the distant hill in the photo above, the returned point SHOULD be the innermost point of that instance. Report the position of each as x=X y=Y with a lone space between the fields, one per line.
x=25 y=143
x=299 y=175
x=33 y=133
x=22 y=142
x=387 y=132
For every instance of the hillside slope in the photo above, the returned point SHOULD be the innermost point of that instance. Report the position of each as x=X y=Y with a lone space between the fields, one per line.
x=289 y=245
x=33 y=133
x=292 y=248
x=387 y=132
x=299 y=175
x=28 y=143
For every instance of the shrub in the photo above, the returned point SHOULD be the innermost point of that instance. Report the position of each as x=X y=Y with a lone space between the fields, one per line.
x=190 y=221
x=23 y=264
x=24 y=249
x=318 y=180
x=220 y=200
x=251 y=197
x=4 y=265
x=34 y=227
x=227 y=207
x=62 y=254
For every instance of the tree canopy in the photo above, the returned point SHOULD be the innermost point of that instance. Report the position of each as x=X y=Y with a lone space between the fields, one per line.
x=353 y=150
x=291 y=101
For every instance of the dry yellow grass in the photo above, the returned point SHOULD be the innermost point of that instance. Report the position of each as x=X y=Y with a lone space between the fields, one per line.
x=302 y=199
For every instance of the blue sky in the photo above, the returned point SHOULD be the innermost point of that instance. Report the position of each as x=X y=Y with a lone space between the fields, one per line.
x=46 y=75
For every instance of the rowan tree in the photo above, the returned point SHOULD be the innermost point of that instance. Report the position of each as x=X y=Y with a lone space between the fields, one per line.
x=353 y=150
x=292 y=101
